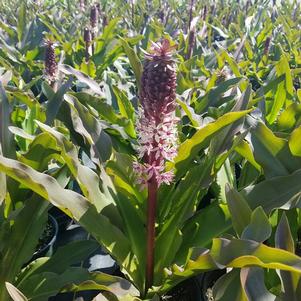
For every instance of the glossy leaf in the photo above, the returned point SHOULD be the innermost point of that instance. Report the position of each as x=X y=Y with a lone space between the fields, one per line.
x=289 y=116
x=239 y=209
x=93 y=85
x=238 y=253
x=259 y=228
x=75 y=205
x=120 y=287
x=54 y=103
x=272 y=152
x=189 y=148
x=91 y=129
x=6 y=138
x=293 y=142
x=22 y=240
x=228 y=288
x=134 y=60
x=278 y=192
x=252 y=280
x=290 y=280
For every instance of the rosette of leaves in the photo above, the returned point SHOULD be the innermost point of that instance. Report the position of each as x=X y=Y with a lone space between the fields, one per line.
x=112 y=208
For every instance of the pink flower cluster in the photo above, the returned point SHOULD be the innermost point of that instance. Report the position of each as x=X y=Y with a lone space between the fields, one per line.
x=157 y=123
x=157 y=144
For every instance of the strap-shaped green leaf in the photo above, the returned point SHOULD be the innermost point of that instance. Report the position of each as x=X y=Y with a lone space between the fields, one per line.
x=190 y=147
x=76 y=206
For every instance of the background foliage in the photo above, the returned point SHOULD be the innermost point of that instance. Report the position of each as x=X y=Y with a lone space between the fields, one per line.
x=236 y=198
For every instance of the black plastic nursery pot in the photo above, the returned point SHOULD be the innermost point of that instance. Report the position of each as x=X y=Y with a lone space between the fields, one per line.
x=62 y=219
x=48 y=238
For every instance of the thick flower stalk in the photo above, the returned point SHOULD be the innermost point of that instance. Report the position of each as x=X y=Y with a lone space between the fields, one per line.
x=157 y=135
x=51 y=69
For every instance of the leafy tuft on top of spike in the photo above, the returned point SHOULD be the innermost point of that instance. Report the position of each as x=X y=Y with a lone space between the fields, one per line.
x=161 y=50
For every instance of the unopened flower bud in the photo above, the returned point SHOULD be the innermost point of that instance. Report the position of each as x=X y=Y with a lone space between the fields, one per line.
x=87 y=39
x=87 y=35
x=50 y=62
x=267 y=46
x=94 y=17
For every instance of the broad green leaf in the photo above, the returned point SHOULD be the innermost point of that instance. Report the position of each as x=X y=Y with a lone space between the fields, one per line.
x=278 y=102
x=6 y=138
x=243 y=148
x=2 y=184
x=225 y=176
x=232 y=63
x=106 y=112
x=125 y=106
x=239 y=210
x=199 y=230
x=222 y=141
x=134 y=60
x=235 y=253
x=259 y=228
x=283 y=67
x=120 y=167
x=248 y=175
x=175 y=274
x=189 y=111
x=214 y=95
x=293 y=142
x=283 y=235
x=87 y=179
x=71 y=253
x=228 y=288
x=284 y=240
x=91 y=129
x=88 y=68
x=181 y=206
x=130 y=203
x=120 y=287
x=48 y=23
x=21 y=20
x=252 y=281
x=40 y=287
x=238 y=253
x=54 y=103
x=40 y=151
x=272 y=152
x=23 y=239
x=278 y=192
x=289 y=117
x=189 y=148
x=9 y=29
x=93 y=85
x=76 y=206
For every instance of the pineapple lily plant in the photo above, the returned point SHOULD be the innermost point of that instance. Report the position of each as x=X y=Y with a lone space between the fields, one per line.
x=187 y=163
x=156 y=247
